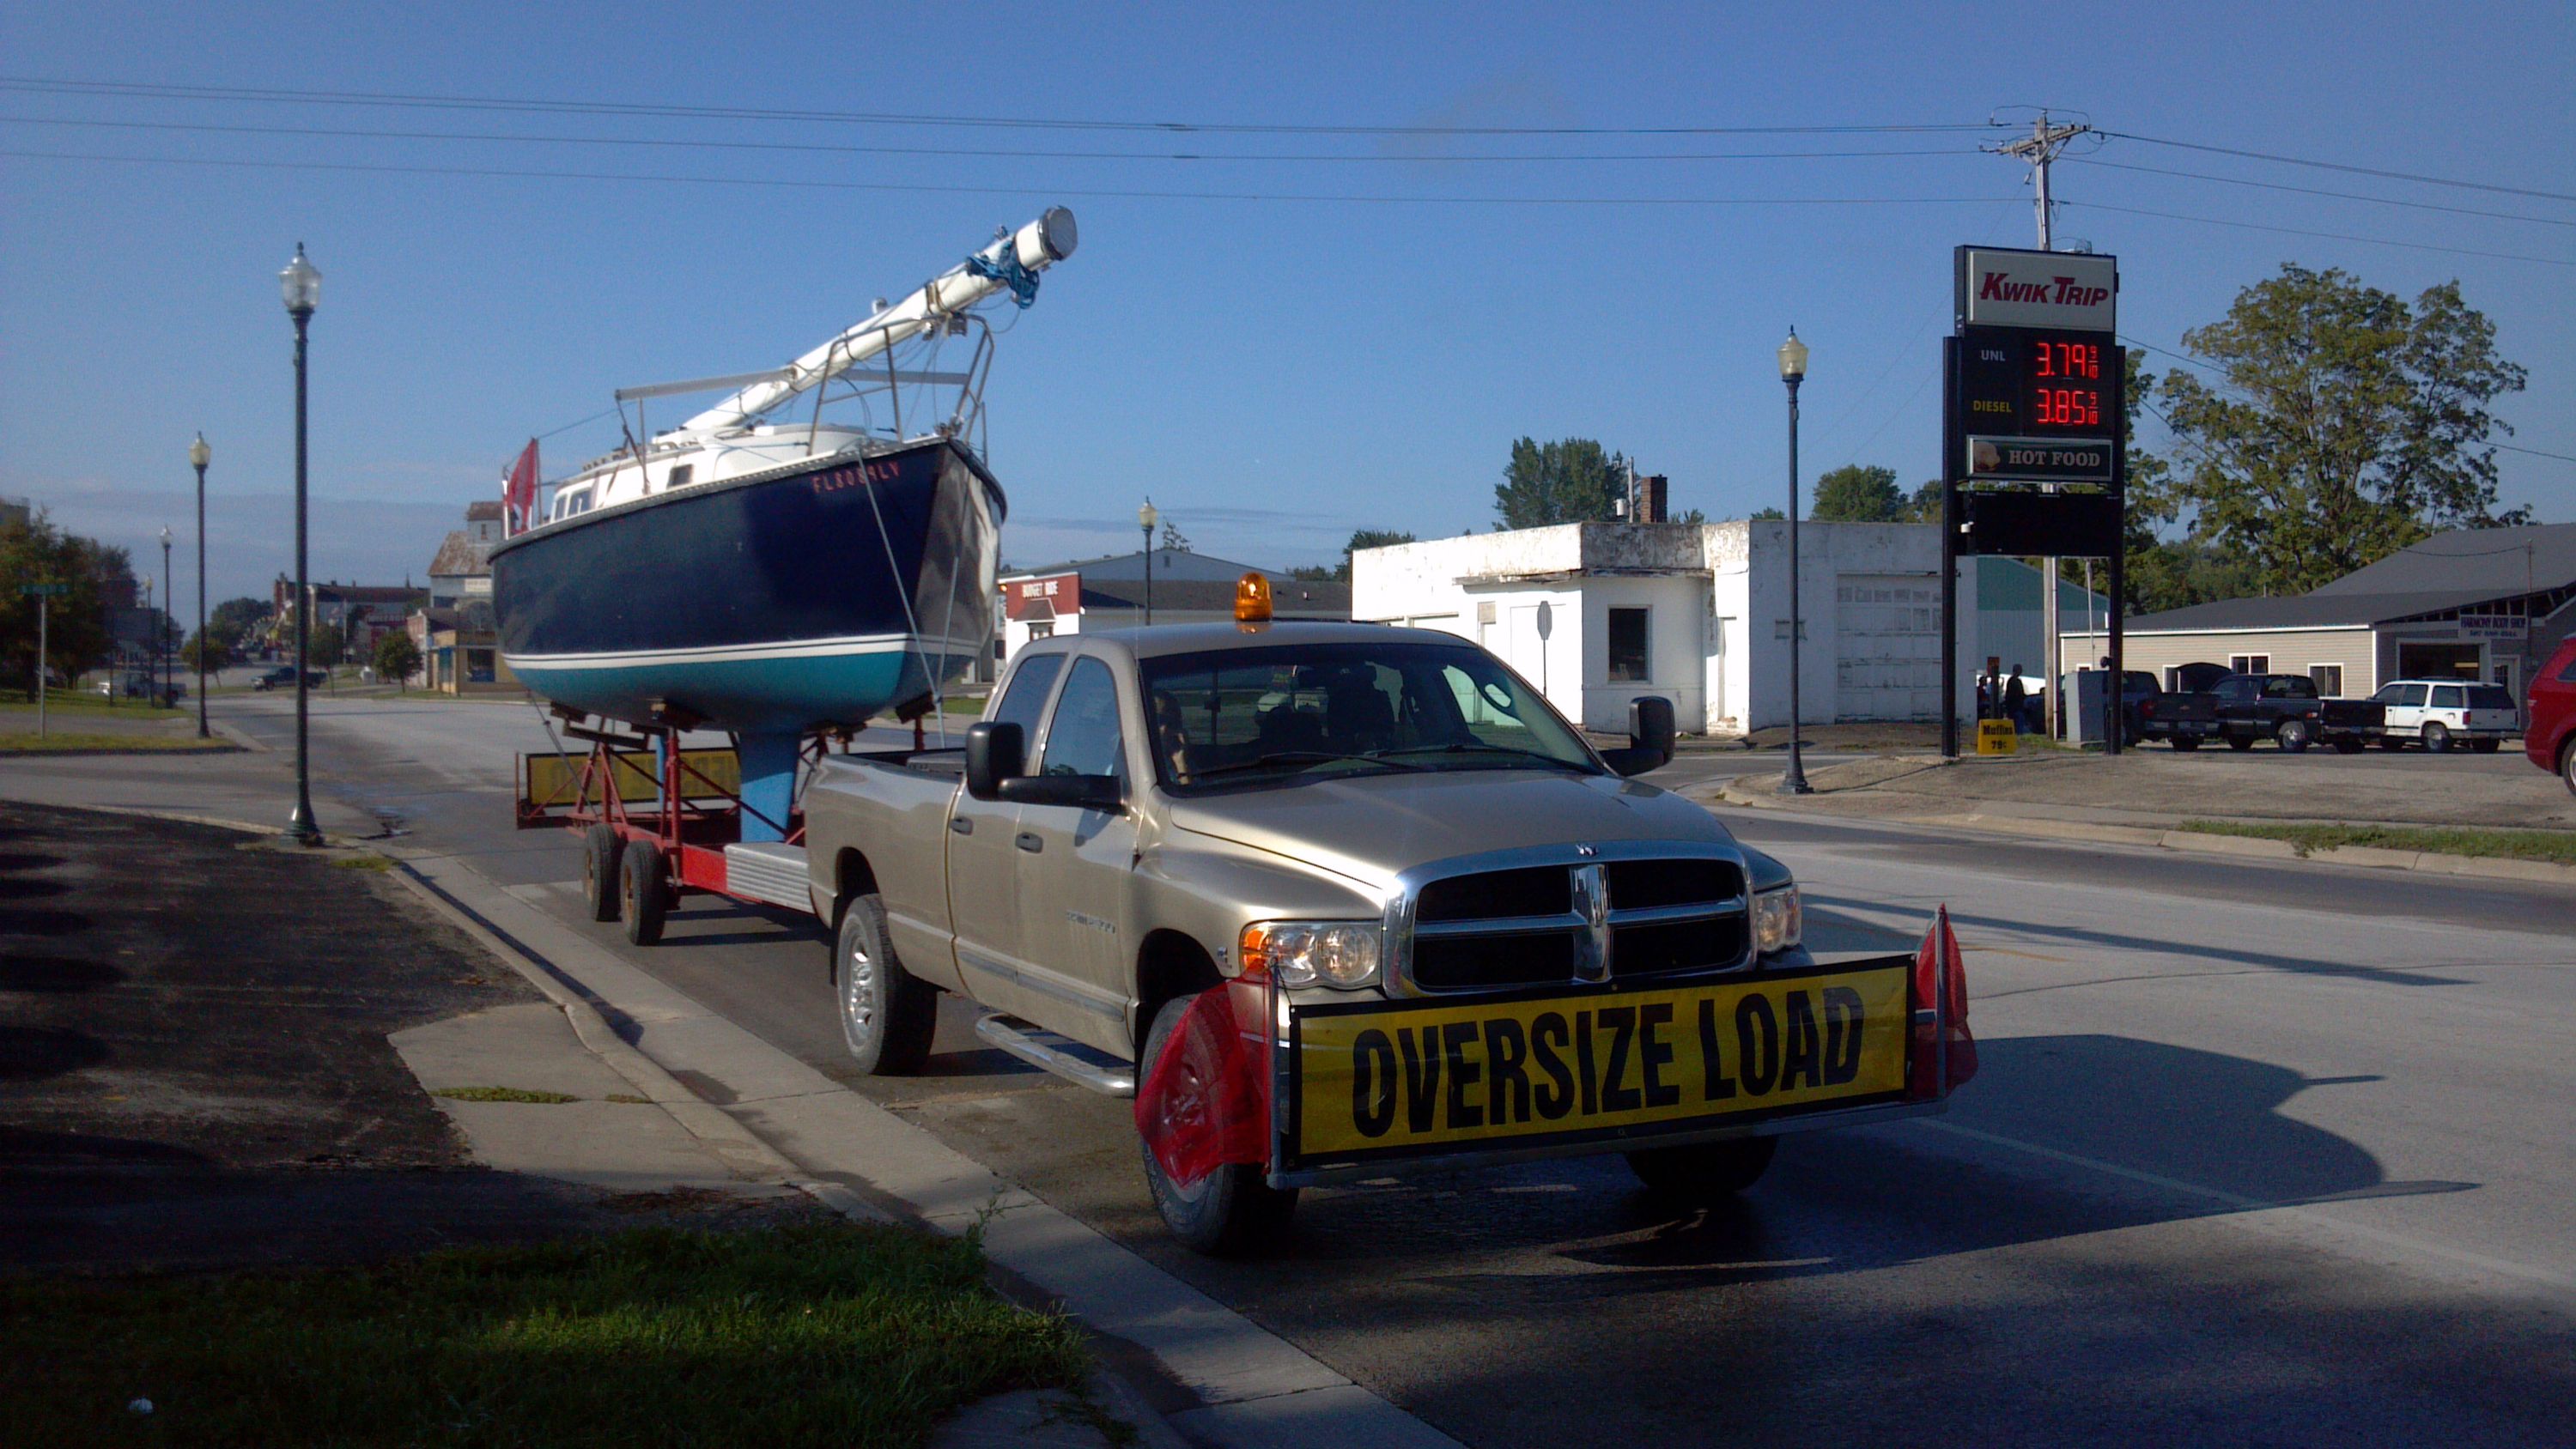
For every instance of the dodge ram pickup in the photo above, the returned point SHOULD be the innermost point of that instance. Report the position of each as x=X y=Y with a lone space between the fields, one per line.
x=1428 y=921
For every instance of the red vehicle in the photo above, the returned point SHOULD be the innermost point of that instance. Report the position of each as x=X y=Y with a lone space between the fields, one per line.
x=2550 y=740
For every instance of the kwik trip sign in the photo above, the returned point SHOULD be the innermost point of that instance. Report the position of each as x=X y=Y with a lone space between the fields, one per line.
x=2034 y=421
x=2038 y=289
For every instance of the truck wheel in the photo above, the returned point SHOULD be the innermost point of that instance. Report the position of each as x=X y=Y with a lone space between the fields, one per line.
x=601 y=853
x=2347 y=745
x=1230 y=1212
x=2186 y=743
x=2437 y=737
x=644 y=884
x=888 y=1015
x=1703 y=1172
x=2292 y=736
x=2567 y=765
x=2485 y=747
x=2240 y=742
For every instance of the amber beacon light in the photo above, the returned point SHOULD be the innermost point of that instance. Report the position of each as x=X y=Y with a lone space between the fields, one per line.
x=1252 y=599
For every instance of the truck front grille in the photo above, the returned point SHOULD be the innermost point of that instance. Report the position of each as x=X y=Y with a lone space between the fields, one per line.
x=1573 y=920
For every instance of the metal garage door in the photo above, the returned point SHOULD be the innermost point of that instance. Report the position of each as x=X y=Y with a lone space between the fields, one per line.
x=1887 y=662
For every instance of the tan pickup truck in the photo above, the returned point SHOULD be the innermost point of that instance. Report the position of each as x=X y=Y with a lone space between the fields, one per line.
x=1475 y=936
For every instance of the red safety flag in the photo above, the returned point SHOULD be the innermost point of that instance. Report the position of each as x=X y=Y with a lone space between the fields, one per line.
x=519 y=490
x=1940 y=976
x=1205 y=1102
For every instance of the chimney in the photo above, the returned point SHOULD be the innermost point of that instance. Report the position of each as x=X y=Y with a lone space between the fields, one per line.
x=1653 y=495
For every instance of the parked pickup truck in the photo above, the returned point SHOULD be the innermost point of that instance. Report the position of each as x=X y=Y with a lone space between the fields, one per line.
x=1472 y=937
x=2244 y=708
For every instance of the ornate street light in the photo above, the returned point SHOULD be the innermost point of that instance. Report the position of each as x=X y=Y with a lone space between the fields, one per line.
x=301 y=284
x=1793 y=370
x=199 y=455
x=1146 y=518
x=161 y=625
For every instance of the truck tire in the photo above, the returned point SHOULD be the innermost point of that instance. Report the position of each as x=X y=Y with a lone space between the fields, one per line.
x=645 y=886
x=2567 y=764
x=2240 y=742
x=1703 y=1172
x=2437 y=737
x=888 y=1015
x=2486 y=746
x=601 y=853
x=1229 y=1213
x=2186 y=743
x=2347 y=745
x=2293 y=736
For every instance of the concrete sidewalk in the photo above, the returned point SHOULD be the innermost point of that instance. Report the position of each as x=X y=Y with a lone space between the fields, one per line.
x=1208 y=1375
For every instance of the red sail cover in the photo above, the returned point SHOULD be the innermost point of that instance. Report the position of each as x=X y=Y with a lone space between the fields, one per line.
x=519 y=490
x=1205 y=1102
x=1937 y=968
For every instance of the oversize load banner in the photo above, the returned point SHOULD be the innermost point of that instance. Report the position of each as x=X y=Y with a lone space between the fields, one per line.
x=1386 y=1079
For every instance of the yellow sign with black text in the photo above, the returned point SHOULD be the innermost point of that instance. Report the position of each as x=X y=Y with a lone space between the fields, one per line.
x=1400 y=1078
x=555 y=780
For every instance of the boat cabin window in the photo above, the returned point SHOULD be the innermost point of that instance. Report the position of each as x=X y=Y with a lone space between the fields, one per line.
x=680 y=476
x=572 y=503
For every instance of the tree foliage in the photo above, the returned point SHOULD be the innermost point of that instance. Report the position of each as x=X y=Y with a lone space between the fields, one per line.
x=75 y=625
x=1857 y=493
x=1572 y=480
x=323 y=646
x=210 y=643
x=2345 y=424
x=396 y=657
x=1360 y=538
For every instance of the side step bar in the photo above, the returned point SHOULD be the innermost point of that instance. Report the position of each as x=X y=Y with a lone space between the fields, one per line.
x=1067 y=1059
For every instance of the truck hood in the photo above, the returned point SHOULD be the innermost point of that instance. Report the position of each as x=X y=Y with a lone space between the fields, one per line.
x=1372 y=827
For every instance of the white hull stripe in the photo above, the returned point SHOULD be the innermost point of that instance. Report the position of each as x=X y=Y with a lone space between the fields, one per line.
x=745 y=653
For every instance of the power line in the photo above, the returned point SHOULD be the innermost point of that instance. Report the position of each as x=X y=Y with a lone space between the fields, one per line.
x=362 y=133
x=2330 y=235
x=2340 y=166
x=810 y=184
x=2314 y=191
x=162 y=91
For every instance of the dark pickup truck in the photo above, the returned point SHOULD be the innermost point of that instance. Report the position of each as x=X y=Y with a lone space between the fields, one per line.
x=2244 y=708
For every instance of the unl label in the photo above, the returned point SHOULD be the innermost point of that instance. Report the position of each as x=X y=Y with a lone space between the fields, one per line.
x=1416 y=1077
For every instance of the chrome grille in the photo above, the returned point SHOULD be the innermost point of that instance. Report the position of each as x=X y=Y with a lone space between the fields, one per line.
x=1567 y=915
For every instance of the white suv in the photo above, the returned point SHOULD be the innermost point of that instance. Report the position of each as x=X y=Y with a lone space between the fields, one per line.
x=2439 y=711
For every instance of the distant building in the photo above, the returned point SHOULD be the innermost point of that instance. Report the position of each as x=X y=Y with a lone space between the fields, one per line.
x=1109 y=593
x=462 y=568
x=2482 y=604
x=363 y=613
x=460 y=649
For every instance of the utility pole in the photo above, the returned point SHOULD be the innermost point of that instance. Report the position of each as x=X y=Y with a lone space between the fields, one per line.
x=2040 y=148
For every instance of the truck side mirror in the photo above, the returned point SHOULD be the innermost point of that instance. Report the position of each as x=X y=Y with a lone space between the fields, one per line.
x=1650 y=737
x=995 y=751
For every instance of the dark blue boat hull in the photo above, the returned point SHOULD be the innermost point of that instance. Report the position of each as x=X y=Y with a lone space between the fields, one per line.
x=802 y=598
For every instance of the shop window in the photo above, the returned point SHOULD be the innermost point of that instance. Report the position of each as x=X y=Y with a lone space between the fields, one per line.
x=2329 y=679
x=1628 y=640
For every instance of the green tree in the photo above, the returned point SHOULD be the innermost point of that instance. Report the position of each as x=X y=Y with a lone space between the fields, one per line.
x=396 y=658
x=237 y=617
x=1923 y=505
x=1761 y=513
x=1857 y=493
x=75 y=624
x=210 y=643
x=2345 y=424
x=1572 y=480
x=323 y=646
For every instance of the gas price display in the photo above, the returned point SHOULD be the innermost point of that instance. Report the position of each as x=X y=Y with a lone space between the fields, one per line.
x=2038 y=404
x=2069 y=384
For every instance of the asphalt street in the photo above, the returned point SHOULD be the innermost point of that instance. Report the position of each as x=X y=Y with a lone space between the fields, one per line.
x=2259 y=1152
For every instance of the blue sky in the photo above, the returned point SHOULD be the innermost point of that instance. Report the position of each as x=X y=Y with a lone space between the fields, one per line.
x=1274 y=372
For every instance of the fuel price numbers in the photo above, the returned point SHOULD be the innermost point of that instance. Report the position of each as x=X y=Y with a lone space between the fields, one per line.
x=2038 y=404
x=2068 y=378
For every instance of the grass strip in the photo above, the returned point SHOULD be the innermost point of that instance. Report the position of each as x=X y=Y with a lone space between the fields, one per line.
x=90 y=701
x=2557 y=847
x=60 y=742
x=503 y=1094
x=831 y=1333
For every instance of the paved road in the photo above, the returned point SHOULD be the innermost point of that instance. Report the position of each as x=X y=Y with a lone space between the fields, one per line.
x=2258 y=1153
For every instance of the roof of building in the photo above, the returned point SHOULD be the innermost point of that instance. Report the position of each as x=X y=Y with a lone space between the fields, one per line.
x=2489 y=560
x=2308 y=611
x=1289 y=598
x=486 y=510
x=362 y=593
x=1164 y=639
x=461 y=555
x=1169 y=563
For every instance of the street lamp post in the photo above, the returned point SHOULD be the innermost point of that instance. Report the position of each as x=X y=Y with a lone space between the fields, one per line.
x=169 y=667
x=199 y=455
x=301 y=284
x=1146 y=518
x=1793 y=370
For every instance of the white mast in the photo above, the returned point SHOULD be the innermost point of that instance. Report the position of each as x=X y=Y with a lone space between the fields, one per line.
x=1012 y=260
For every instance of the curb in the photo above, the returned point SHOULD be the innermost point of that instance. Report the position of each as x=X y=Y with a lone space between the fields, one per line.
x=2201 y=842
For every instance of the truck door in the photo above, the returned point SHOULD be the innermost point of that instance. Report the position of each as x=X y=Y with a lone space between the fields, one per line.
x=983 y=866
x=1074 y=869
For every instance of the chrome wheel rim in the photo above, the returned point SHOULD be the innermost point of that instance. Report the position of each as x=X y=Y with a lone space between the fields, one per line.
x=858 y=998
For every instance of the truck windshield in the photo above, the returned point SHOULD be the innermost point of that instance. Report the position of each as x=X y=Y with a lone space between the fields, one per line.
x=1317 y=711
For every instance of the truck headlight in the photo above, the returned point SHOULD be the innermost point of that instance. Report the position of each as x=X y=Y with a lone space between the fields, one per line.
x=1339 y=954
x=1778 y=920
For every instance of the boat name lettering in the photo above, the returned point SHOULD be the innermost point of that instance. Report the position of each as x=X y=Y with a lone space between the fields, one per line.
x=853 y=475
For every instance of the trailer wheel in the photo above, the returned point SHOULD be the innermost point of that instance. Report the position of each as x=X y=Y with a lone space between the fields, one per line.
x=646 y=886
x=888 y=1015
x=601 y=853
x=1703 y=1172
x=1231 y=1212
